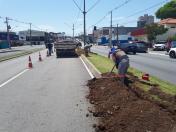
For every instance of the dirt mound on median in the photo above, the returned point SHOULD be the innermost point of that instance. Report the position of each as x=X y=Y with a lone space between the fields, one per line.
x=122 y=109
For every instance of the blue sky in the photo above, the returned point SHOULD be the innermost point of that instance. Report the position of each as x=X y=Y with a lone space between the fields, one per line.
x=59 y=15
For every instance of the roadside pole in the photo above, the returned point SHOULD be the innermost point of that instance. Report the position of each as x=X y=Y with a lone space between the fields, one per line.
x=8 y=35
x=73 y=32
x=110 y=34
x=30 y=32
x=117 y=35
x=84 y=12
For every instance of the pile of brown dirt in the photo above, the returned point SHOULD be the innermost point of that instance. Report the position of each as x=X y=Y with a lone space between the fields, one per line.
x=127 y=109
x=79 y=51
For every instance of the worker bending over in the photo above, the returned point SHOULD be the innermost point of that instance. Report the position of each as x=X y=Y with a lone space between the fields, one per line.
x=121 y=61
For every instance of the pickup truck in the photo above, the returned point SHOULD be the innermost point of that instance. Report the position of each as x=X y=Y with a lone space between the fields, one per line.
x=66 y=48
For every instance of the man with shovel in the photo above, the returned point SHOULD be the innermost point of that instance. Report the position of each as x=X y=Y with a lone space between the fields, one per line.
x=121 y=61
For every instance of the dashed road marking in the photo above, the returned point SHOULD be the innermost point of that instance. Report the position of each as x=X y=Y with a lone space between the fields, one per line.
x=11 y=79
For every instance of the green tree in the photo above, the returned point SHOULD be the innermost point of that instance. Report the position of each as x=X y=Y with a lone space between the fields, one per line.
x=173 y=38
x=153 y=30
x=167 y=11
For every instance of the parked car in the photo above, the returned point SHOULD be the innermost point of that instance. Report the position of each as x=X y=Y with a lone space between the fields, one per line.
x=161 y=45
x=172 y=52
x=128 y=47
x=141 y=47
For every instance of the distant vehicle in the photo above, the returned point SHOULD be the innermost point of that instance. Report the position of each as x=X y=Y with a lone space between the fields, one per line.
x=172 y=52
x=141 y=47
x=161 y=45
x=128 y=47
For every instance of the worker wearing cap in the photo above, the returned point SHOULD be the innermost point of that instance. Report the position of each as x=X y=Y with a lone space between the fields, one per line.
x=121 y=61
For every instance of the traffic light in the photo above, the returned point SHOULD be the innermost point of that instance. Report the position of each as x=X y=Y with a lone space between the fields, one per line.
x=95 y=28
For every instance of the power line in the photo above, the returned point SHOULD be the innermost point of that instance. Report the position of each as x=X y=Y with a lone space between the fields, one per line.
x=132 y=21
x=93 y=6
x=18 y=21
x=78 y=14
x=36 y=26
x=77 y=6
x=138 y=12
x=67 y=25
x=117 y=7
x=121 y=5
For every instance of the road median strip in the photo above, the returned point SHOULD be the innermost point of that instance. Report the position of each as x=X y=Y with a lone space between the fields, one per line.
x=104 y=65
x=8 y=57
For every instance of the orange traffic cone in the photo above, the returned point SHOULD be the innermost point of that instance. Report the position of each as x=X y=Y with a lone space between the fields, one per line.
x=40 y=58
x=145 y=76
x=30 y=63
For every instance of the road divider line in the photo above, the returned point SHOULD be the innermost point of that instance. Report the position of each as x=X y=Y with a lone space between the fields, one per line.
x=90 y=73
x=11 y=79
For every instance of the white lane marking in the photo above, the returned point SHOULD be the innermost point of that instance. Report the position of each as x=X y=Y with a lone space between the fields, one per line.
x=157 y=54
x=11 y=79
x=90 y=73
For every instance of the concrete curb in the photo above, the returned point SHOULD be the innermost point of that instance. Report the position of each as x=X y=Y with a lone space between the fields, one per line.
x=91 y=67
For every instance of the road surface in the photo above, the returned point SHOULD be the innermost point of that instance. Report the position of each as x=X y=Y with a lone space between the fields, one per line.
x=159 y=65
x=48 y=98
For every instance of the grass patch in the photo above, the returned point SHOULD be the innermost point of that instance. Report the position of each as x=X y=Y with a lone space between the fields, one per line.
x=8 y=57
x=103 y=64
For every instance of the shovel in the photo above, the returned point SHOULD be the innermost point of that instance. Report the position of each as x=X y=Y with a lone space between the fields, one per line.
x=112 y=69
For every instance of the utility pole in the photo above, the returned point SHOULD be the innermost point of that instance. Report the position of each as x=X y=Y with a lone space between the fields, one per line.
x=8 y=35
x=30 y=33
x=73 y=32
x=117 y=35
x=110 y=34
x=84 y=13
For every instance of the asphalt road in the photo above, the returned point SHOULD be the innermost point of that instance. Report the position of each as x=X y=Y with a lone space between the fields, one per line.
x=12 y=67
x=48 y=98
x=159 y=65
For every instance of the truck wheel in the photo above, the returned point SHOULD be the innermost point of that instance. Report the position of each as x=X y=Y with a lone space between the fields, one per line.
x=57 y=55
x=134 y=52
x=172 y=54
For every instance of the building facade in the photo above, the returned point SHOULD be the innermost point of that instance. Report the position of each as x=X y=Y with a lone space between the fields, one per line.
x=13 y=39
x=145 y=20
x=103 y=34
x=37 y=37
x=170 y=24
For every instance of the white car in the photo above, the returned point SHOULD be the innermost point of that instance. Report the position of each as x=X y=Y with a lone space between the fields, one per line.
x=172 y=52
x=159 y=45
